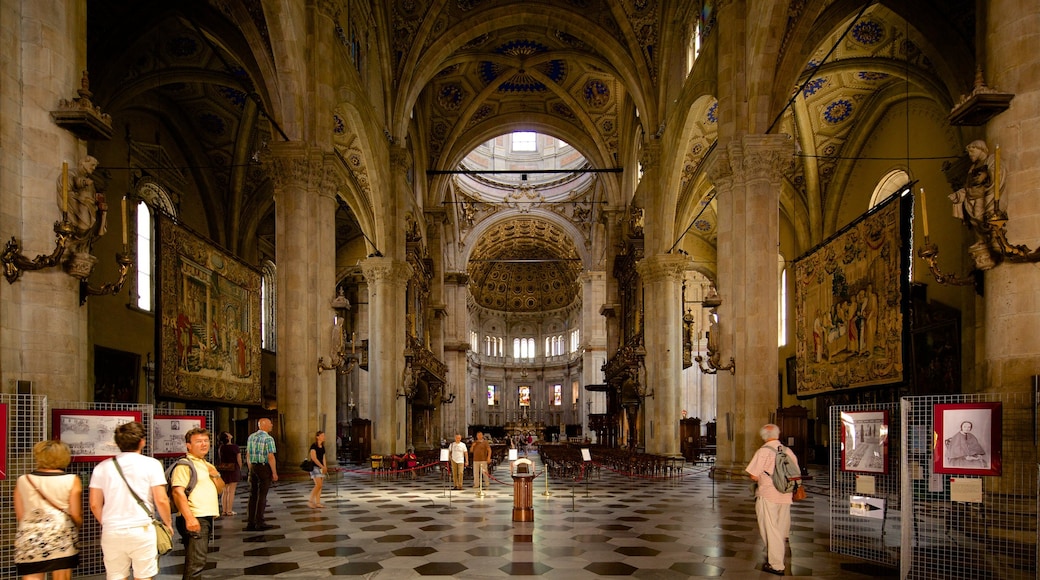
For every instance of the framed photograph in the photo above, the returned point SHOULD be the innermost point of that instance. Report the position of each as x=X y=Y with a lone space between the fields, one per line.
x=90 y=434
x=168 y=433
x=3 y=441
x=967 y=438
x=864 y=441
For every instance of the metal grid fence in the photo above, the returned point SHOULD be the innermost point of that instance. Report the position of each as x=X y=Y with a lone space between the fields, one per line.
x=955 y=540
x=90 y=559
x=863 y=447
x=29 y=421
x=26 y=424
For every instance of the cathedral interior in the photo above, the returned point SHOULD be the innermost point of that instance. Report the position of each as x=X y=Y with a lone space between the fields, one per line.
x=584 y=220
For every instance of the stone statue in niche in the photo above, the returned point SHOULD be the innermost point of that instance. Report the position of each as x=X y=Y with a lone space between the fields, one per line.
x=978 y=202
x=87 y=211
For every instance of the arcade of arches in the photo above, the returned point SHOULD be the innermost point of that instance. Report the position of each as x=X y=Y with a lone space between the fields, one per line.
x=525 y=205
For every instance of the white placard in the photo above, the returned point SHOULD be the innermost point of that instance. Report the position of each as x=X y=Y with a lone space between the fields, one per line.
x=444 y=454
x=868 y=507
x=586 y=455
x=935 y=483
x=865 y=484
x=966 y=489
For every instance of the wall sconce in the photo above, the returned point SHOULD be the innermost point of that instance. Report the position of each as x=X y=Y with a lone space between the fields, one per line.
x=341 y=359
x=978 y=205
x=712 y=301
x=15 y=262
x=74 y=241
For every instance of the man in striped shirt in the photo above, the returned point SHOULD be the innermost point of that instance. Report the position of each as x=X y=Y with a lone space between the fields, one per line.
x=263 y=471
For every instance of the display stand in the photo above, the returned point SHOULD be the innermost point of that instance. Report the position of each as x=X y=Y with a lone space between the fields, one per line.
x=586 y=458
x=522 y=471
x=447 y=481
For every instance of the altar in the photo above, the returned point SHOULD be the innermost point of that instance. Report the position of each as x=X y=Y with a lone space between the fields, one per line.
x=524 y=427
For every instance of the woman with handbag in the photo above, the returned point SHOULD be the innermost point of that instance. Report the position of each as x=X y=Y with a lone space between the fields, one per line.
x=229 y=464
x=319 y=471
x=48 y=506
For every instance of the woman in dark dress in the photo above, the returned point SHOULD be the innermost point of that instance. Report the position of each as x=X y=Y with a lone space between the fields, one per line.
x=319 y=471
x=229 y=464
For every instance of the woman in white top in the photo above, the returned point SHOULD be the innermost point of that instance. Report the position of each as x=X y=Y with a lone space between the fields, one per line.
x=48 y=506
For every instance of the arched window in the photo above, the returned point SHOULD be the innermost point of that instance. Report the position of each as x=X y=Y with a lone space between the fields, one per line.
x=781 y=311
x=151 y=196
x=268 y=305
x=892 y=182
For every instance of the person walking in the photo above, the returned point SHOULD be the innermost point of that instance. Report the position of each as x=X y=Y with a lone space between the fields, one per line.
x=48 y=507
x=481 y=457
x=772 y=507
x=197 y=506
x=459 y=460
x=229 y=464
x=319 y=471
x=263 y=471
x=126 y=492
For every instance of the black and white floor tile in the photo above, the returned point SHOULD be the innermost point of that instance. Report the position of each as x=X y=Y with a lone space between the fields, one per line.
x=610 y=527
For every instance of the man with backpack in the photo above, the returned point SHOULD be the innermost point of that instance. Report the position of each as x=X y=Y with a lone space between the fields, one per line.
x=196 y=486
x=773 y=466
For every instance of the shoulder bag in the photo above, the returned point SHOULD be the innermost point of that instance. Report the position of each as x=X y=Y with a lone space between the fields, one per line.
x=163 y=535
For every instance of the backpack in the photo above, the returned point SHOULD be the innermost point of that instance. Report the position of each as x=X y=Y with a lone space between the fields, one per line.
x=786 y=475
x=193 y=478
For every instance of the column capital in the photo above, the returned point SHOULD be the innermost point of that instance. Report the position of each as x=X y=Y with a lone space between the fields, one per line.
x=294 y=164
x=766 y=156
x=651 y=154
x=663 y=267
x=382 y=269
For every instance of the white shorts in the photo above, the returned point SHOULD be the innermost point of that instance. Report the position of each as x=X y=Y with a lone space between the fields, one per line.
x=126 y=547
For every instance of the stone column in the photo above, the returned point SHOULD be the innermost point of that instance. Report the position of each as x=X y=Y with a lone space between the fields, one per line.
x=456 y=344
x=387 y=280
x=304 y=245
x=1011 y=317
x=593 y=338
x=747 y=175
x=662 y=277
x=44 y=328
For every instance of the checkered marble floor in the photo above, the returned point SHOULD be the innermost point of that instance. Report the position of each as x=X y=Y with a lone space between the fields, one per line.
x=610 y=527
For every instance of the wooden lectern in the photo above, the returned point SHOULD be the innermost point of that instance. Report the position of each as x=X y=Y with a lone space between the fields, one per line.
x=522 y=471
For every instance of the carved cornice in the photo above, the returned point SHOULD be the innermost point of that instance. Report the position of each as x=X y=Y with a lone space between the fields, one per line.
x=383 y=269
x=457 y=278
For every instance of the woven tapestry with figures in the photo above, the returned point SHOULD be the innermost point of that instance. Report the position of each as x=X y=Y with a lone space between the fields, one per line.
x=209 y=304
x=851 y=297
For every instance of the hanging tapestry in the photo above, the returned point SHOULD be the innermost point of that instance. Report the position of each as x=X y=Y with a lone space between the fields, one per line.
x=851 y=299
x=209 y=305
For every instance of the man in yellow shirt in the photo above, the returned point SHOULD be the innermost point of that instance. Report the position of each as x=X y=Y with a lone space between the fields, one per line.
x=198 y=508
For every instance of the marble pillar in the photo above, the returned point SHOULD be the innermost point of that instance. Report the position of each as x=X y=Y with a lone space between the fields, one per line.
x=662 y=277
x=304 y=210
x=44 y=328
x=1011 y=315
x=387 y=281
x=747 y=174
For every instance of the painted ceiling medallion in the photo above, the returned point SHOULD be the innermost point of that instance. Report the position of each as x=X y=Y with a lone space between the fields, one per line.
x=838 y=111
x=522 y=81
x=868 y=32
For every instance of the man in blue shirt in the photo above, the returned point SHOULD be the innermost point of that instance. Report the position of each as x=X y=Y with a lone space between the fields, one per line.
x=263 y=471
